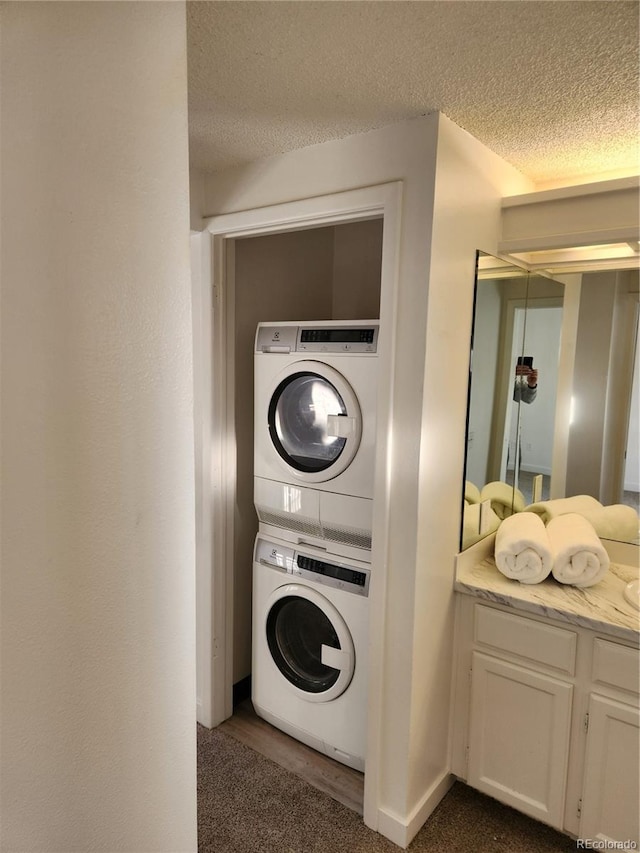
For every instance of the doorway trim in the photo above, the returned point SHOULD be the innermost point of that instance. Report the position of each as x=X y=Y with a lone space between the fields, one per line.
x=213 y=289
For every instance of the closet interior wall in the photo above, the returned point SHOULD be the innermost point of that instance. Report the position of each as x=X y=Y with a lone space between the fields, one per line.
x=330 y=273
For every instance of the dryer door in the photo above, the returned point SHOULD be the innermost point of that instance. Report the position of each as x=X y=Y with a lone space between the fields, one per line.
x=315 y=423
x=309 y=643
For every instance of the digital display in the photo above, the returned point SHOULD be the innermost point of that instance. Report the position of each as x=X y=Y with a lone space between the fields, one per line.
x=337 y=336
x=328 y=570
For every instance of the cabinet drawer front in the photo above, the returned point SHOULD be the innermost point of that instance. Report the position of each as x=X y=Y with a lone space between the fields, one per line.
x=616 y=665
x=526 y=638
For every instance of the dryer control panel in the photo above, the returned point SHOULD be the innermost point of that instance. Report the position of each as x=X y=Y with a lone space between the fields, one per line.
x=322 y=570
x=356 y=337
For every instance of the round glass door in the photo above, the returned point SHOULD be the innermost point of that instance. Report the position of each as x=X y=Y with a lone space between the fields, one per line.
x=309 y=644
x=314 y=422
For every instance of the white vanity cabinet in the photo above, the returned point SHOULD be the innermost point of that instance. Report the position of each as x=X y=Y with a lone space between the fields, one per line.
x=611 y=790
x=546 y=720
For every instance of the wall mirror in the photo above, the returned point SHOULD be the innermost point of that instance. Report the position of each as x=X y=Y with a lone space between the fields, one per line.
x=553 y=393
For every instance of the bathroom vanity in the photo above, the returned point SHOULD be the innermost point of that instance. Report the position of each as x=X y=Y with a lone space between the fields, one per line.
x=546 y=697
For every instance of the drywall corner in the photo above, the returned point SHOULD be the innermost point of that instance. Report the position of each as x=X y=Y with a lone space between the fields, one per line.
x=196 y=199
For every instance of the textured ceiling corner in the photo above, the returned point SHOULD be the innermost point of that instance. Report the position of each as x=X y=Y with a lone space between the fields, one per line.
x=552 y=87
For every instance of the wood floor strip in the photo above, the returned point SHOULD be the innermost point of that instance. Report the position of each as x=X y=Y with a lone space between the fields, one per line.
x=336 y=780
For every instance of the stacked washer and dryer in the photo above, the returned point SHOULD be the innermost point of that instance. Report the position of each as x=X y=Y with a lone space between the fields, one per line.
x=315 y=425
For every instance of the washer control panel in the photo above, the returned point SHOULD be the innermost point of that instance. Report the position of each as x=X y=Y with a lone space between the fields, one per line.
x=276 y=556
x=334 y=574
x=321 y=569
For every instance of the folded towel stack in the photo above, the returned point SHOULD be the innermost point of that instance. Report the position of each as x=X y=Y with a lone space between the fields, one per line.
x=568 y=547
x=522 y=548
x=578 y=555
x=505 y=499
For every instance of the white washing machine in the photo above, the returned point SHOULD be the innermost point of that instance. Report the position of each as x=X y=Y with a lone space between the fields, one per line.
x=315 y=428
x=310 y=629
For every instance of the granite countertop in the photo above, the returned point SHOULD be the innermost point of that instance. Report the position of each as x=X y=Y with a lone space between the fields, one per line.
x=601 y=607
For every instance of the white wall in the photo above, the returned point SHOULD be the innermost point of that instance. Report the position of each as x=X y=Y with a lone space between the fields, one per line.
x=632 y=461
x=357 y=258
x=469 y=183
x=603 y=377
x=448 y=211
x=620 y=416
x=196 y=199
x=98 y=656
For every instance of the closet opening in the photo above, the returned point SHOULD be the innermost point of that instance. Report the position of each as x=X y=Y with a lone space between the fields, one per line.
x=329 y=259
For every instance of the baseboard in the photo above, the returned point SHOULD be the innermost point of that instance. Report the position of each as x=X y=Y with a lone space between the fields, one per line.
x=536 y=469
x=202 y=716
x=402 y=832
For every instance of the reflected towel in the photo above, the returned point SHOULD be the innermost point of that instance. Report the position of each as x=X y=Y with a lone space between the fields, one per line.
x=471 y=525
x=547 y=510
x=579 y=557
x=522 y=548
x=505 y=499
x=616 y=521
x=471 y=493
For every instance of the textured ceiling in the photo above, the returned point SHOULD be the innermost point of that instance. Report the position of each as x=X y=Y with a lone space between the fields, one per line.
x=551 y=86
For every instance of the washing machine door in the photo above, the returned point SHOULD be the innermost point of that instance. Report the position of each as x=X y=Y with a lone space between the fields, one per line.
x=315 y=422
x=309 y=643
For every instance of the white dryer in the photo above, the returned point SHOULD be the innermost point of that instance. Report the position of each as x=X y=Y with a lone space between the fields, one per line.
x=315 y=428
x=310 y=629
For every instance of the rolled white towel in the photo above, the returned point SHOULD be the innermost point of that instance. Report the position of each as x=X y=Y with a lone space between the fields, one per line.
x=522 y=548
x=579 y=557
x=547 y=510
x=505 y=499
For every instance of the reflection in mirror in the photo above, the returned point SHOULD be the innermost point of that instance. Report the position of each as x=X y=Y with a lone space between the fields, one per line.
x=551 y=413
x=532 y=331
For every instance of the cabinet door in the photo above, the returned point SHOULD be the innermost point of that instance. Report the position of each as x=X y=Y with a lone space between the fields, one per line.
x=611 y=792
x=519 y=737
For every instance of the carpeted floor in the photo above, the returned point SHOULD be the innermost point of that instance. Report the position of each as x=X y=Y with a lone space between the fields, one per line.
x=248 y=804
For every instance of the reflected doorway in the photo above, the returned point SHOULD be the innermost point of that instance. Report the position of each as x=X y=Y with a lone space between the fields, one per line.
x=529 y=423
x=631 y=484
